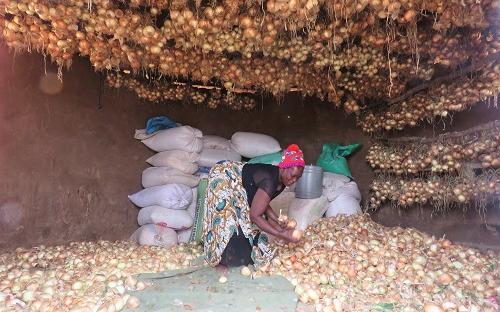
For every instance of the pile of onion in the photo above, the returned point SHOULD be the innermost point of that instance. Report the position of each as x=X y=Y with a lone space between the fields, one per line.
x=340 y=264
x=354 y=264
x=84 y=276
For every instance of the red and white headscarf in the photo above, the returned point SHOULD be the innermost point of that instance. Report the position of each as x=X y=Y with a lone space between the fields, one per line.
x=292 y=157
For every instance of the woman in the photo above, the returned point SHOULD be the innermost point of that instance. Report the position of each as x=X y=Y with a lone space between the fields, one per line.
x=238 y=216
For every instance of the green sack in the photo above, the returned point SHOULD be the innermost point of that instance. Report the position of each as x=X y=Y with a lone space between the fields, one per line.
x=270 y=159
x=332 y=158
x=197 y=232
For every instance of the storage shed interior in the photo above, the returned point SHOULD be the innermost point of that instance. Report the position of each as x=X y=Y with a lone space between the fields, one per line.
x=414 y=82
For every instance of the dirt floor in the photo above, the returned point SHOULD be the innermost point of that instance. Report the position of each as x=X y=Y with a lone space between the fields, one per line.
x=69 y=160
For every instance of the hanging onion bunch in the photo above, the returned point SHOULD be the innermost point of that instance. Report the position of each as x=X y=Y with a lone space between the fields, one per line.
x=231 y=101
x=214 y=100
x=198 y=97
x=296 y=50
x=29 y=32
x=214 y=28
x=407 y=70
x=354 y=264
x=88 y=276
x=297 y=14
x=351 y=106
x=445 y=98
x=445 y=49
x=436 y=157
x=448 y=13
x=248 y=102
x=440 y=192
x=213 y=32
x=154 y=6
x=368 y=73
x=369 y=49
x=156 y=92
x=114 y=80
x=239 y=102
x=175 y=92
x=152 y=91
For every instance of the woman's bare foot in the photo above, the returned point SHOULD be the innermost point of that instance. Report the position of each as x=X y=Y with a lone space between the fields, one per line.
x=222 y=269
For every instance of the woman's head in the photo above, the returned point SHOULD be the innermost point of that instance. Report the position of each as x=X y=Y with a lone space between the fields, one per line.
x=291 y=165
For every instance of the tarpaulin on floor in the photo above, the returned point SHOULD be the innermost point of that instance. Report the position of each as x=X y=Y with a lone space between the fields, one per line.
x=198 y=289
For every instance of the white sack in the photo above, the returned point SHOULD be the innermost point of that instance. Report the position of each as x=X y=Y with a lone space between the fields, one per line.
x=174 y=154
x=350 y=188
x=184 y=235
x=174 y=219
x=332 y=180
x=343 y=205
x=178 y=154
x=154 y=235
x=172 y=196
x=192 y=207
x=306 y=211
x=250 y=145
x=210 y=157
x=183 y=161
x=183 y=138
x=216 y=142
x=140 y=134
x=155 y=176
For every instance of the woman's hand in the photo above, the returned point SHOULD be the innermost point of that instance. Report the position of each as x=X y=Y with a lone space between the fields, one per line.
x=288 y=236
x=257 y=211
x=279 y=223
x=279 y=228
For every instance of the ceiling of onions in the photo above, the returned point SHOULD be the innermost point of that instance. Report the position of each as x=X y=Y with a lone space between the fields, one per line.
x=361 y=55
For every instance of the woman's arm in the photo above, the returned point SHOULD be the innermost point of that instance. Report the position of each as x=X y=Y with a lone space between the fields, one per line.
x=273 y=219
x=271 y=214
x=258 y=209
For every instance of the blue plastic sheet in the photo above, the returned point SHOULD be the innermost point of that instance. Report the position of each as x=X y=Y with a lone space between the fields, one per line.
x=159 y=123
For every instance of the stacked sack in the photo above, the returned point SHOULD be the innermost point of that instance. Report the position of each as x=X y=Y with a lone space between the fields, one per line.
x=215 y=149
x=241 y=145
x=250 y=145
x=169 y=186
x=163 y=212
x=342 y=193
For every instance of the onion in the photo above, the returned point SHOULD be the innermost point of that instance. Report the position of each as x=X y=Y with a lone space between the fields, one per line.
x=245 y=271
x=297 y=235
x=292 y=224
x=431 y=307
x=222 y=279
x=133 y=302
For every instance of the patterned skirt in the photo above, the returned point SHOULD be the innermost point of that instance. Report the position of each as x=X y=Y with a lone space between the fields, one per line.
x=227 y=210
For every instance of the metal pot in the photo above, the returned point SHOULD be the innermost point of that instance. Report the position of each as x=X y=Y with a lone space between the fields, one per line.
x=310 y=185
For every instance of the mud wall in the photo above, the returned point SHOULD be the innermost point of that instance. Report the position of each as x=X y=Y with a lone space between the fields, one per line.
x=67 y=161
